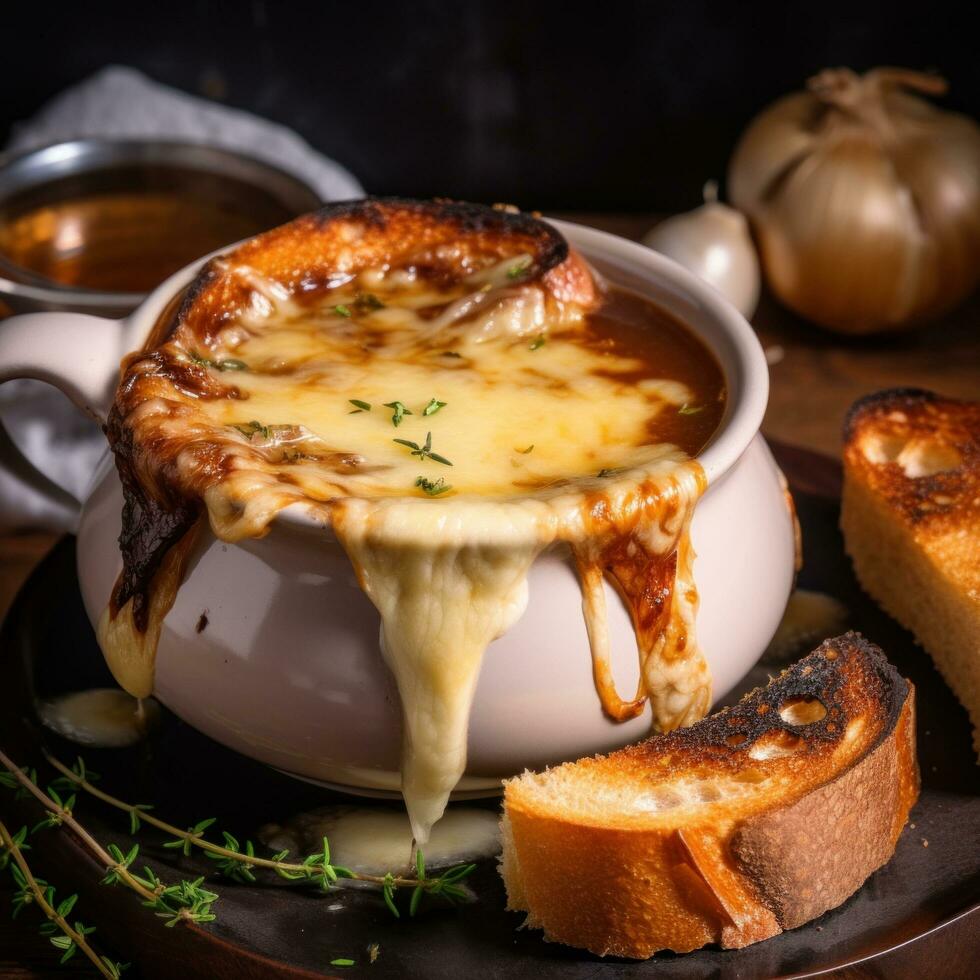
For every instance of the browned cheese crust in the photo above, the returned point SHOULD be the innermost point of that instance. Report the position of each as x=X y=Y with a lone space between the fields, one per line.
x=825 y=757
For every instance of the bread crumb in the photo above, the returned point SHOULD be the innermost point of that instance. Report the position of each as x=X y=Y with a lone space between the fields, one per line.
x=925 y=843
x=911 y=826
x=774 y=354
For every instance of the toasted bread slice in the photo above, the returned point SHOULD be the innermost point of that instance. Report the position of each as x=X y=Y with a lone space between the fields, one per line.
x=440 y=239
x=911 y=522
x=754 y=820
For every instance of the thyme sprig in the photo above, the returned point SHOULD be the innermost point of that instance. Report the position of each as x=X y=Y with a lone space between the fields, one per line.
x=68 y=938
x=183 y=901
x=62 y=811
x=316 y=868
x=425 y=451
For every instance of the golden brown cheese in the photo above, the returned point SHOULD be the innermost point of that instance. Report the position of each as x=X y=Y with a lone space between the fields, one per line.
x=418 y=374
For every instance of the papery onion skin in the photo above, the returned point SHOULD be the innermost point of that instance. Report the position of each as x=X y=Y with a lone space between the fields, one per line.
x=864 y=199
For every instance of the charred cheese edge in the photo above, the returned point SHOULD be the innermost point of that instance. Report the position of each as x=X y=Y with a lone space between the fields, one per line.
x=278 y=383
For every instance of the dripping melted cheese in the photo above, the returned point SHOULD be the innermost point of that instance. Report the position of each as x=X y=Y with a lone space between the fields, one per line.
x=560 y=427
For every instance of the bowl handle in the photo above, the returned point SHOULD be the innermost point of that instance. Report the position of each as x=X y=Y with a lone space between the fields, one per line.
x=76 y=353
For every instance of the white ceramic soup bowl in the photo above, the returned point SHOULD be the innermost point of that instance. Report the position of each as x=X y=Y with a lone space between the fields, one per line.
x=288 y=669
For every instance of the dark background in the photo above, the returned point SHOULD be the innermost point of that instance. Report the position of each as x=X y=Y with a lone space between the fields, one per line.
x=601 y=105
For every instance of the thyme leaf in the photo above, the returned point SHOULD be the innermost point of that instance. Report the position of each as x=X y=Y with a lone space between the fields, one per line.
x=359 y=405
x=366 y=302
x=227 y=364
x=433 y=487
x=249 y=429
x=399 y=410
x=518 y=270
x=686 y=409
x=342 y=310
x=538 y=342
x=433 y=407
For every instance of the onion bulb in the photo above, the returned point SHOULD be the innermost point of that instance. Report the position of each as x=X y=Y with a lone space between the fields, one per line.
x=713 y=242
x=864 y=198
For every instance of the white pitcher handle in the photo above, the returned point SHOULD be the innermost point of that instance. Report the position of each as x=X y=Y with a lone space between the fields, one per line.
x=76 y=353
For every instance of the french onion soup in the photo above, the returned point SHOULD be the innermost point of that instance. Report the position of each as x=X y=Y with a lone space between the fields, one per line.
x=450 y=390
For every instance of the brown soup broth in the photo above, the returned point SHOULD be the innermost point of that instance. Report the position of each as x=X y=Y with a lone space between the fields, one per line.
x=128 y=229
x=628 y=325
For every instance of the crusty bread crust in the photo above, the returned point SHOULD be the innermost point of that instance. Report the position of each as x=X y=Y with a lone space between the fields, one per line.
x=911 y=520
x=783 y=805
x=441 y=239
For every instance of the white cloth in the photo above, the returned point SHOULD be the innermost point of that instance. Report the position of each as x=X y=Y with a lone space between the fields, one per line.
x=121 y=102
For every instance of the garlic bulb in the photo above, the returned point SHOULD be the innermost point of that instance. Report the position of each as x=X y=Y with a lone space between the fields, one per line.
x=713 y=242
x=865 y=199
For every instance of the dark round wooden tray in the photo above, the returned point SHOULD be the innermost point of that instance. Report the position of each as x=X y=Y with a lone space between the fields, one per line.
x=918 y=915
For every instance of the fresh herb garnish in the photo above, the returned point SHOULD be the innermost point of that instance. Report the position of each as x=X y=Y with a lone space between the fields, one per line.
x=175 y=901
x=342 y=961
x=228 y=364
x=516 y=271
x=686 y=409
x=538 y=341
x=365 y=302
x=359 y=405
x=342 y=310
x=612 y=471
x=400 y=411
x=433 y=407
x=433 y=487
x=524 y=452
x=451 y=353
x=249 y=429
x=424 y=452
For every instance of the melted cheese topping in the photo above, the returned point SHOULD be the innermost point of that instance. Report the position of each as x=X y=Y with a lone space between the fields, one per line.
x=375 y=840
x=104 y=717
x=544 y=440
x=525 y=403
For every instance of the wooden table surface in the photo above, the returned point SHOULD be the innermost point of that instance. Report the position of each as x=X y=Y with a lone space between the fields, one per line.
x=815 y=376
